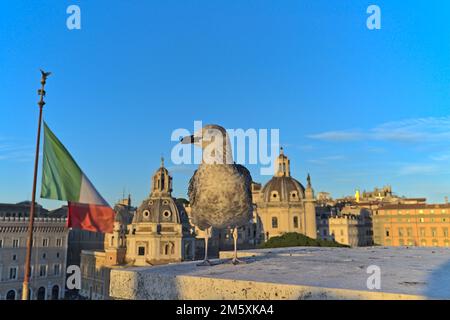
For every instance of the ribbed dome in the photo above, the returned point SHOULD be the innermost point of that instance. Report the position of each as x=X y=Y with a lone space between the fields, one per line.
x=158 y=210
x=283 y=189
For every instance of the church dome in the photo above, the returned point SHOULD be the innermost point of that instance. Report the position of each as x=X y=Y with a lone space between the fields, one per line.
x=283 y=189
x=160 y=206
x=158 y=210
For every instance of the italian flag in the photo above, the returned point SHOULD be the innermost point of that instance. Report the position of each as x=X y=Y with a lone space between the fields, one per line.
x=62 y=179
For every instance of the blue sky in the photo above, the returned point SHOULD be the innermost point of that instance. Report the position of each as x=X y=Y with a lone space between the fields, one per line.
x=356 y=108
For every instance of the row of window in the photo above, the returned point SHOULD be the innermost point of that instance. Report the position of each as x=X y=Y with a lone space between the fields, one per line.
x=15 y=243
x=368 y=232
x=422 y=242
x=44 y=256
x=293 y=195
x=421 y=211
x=421 y=220
x=167 y=249
x=41 y=294
x=43 y=271
x=275 y=222
x=422 y=232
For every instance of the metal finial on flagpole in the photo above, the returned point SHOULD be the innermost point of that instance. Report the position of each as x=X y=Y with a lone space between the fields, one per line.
x=26 y=280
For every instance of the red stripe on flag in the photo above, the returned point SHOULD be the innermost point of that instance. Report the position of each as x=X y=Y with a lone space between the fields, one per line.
x=90 y=217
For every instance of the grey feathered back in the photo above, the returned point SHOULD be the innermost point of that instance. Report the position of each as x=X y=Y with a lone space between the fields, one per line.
x=220 y=196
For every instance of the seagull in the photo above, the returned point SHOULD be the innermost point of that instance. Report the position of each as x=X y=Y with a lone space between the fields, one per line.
x=220 y=190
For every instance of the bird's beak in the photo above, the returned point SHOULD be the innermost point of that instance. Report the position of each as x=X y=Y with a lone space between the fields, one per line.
x=188 y=140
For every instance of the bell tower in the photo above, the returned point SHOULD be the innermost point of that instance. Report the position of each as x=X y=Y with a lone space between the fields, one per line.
x=161 y=182
x=115 y=244
x=282 y=166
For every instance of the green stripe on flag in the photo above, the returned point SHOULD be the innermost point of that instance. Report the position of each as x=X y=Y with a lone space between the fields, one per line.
x=61 y=176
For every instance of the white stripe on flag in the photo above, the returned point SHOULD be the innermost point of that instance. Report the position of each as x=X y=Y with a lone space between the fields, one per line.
x=88 y=193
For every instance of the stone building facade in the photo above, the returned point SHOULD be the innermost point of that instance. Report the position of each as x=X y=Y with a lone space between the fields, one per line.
x=80 y=240
x=48 y=268
x=160 y=232
x=284 y=204
x=425 y=225
x=351 y=226
x=157 y=233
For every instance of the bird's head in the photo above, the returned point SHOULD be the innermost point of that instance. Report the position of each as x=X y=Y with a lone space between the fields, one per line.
x=206 y=135
x=215 y=143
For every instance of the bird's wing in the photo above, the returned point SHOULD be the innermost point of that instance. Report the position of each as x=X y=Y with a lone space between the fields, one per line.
x=243 y=171
x=192 y=186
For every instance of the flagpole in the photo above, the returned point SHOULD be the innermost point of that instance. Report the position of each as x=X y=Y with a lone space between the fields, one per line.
x=26 y=280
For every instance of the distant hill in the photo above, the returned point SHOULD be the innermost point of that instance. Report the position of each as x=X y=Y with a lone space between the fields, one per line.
x=293 y=239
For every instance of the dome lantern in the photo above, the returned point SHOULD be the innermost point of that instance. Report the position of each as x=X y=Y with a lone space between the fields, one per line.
x=161 y=181
x=282 y=167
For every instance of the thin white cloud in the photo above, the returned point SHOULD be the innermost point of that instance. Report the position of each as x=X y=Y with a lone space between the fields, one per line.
x=327 y=159
x=417 y=169
x=12 y=152
x=338 y=136
x=441 y=157
x=414 y=130
x=408 y=130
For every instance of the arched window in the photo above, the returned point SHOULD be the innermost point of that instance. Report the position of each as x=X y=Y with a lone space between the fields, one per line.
x=296 y=222
x=169 y=248
x=166 y=249
x=11 y=295
x=55 y=292
x=274 y=222
x=41 y=293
